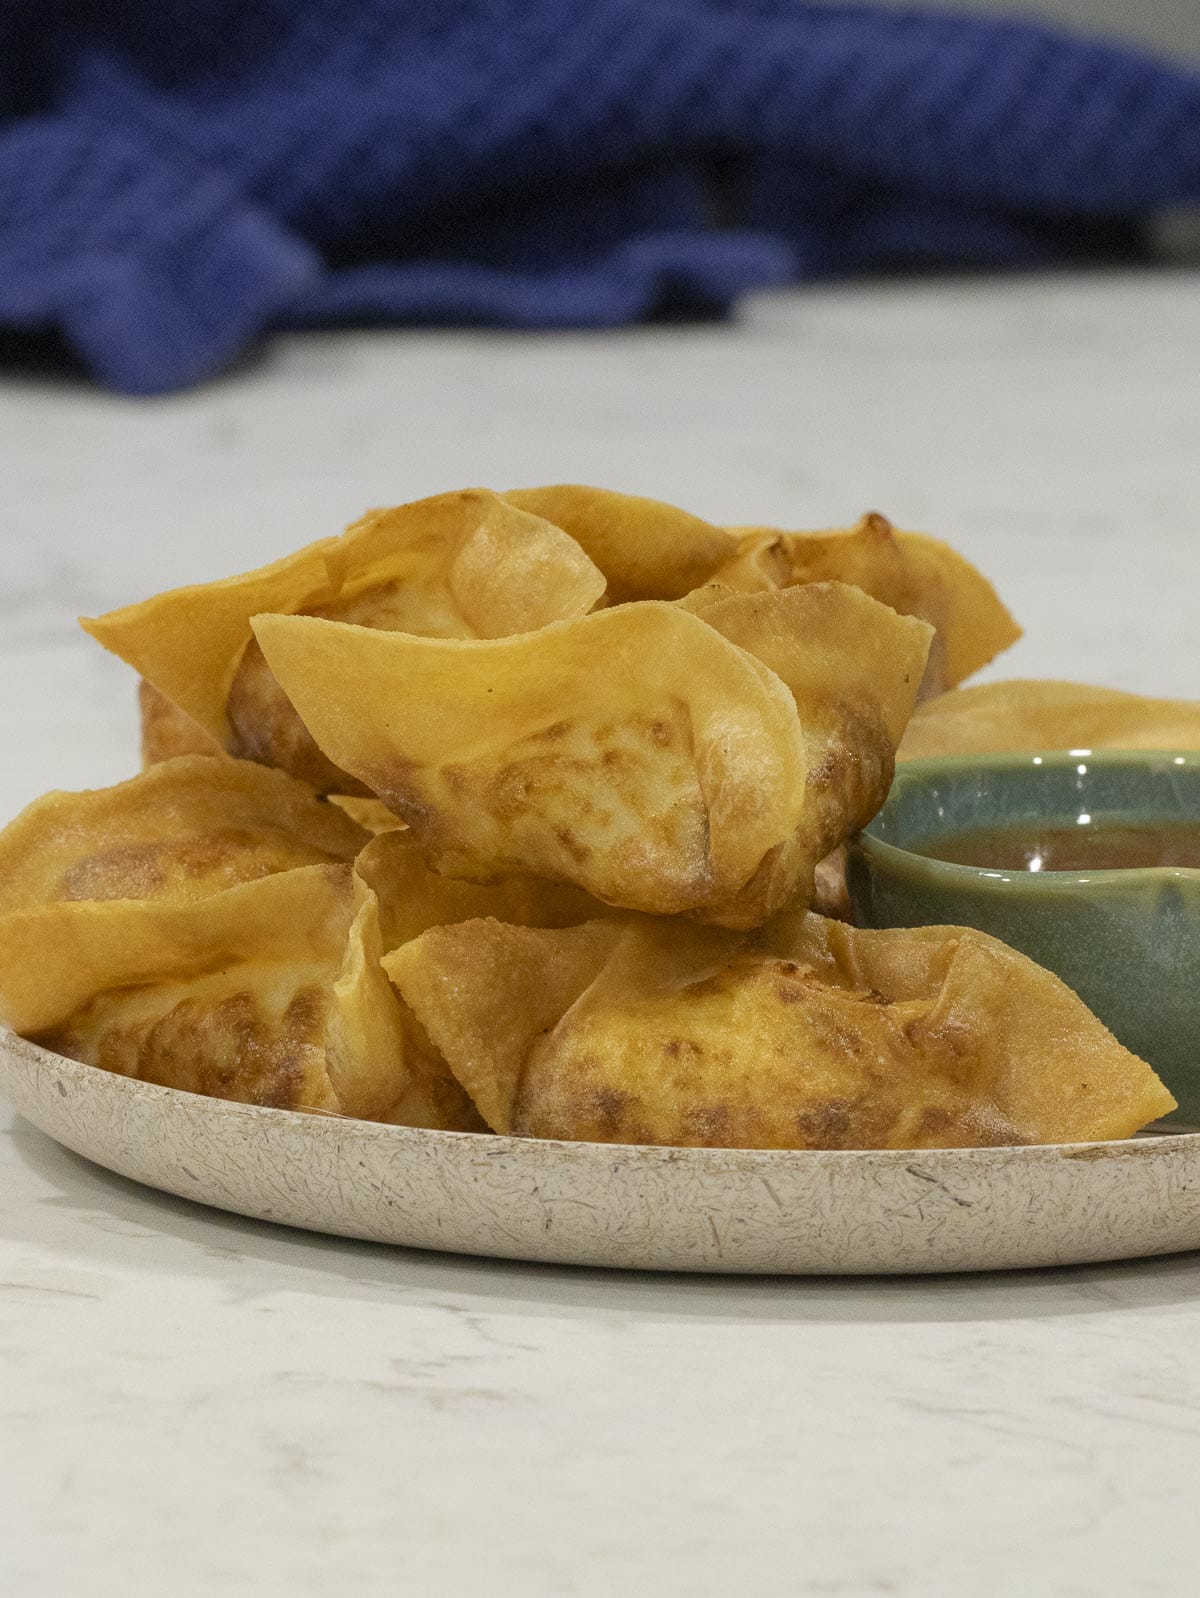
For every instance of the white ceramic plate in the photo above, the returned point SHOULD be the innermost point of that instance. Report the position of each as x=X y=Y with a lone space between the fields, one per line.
x=600 y=1204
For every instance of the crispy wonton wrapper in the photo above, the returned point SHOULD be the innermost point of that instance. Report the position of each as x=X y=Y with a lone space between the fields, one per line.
x=914 y=574
x=807 y=1034
x=1031 y=714
x=461 y=565
x=167 y=731
x=201 y=927
x=370 y=814
x=412 y=898
x=657 y=760
x=646 y=548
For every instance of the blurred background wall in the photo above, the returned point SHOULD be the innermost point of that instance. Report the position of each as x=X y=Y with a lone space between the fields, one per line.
x=1172 y=27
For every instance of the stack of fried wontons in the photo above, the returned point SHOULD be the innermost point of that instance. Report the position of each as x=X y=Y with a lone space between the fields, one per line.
x=507 y=811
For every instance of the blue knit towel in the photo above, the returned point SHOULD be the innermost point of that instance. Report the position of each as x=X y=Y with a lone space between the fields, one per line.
x=178 y=175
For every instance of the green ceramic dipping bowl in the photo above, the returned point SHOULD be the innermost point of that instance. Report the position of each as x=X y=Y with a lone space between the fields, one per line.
x=1127 y=941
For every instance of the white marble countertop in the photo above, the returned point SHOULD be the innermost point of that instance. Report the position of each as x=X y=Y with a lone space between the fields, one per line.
x=196 y=1404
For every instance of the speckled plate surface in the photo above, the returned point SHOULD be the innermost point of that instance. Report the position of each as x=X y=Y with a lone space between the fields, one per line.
x=641 y=1208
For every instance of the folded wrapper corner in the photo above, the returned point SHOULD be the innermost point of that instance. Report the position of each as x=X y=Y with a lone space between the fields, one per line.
x=913 y=573
x=646 y=548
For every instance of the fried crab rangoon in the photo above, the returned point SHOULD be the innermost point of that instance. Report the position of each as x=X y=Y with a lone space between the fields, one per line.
x=659 y=759
x=805 y=1034
x=201 y=927
x=461 y=565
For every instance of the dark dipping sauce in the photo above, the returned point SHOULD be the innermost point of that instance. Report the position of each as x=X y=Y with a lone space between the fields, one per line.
x=1069 y=846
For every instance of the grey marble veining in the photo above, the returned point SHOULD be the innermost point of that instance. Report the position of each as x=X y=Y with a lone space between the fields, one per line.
x=202 y=1404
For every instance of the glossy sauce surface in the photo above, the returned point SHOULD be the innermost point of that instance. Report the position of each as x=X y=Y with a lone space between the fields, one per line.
x=1067 y=846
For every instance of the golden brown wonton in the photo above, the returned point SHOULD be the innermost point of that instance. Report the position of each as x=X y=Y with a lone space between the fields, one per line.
x=460 y=565
x=658 y=759
x=230 y=996
x=1031 y=714
x=201 y=927
x=806 y=1034
x=915 y=574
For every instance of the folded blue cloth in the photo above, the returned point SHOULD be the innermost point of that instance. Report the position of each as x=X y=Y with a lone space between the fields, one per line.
x=178 y=175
